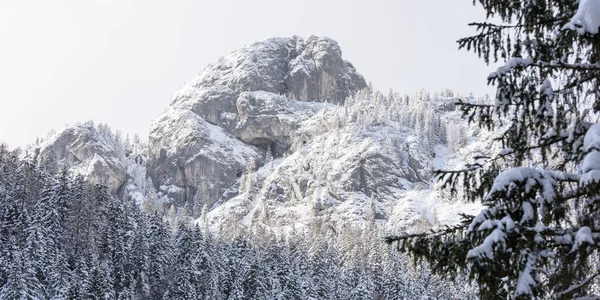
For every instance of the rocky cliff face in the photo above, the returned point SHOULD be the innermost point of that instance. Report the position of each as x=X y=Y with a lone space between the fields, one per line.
x=82 y=149
x=368 y=161
x=239 y=108
x=284 y=132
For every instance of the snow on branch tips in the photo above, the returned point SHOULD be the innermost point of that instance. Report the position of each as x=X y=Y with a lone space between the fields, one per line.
x=529 y=178
x=509 y=65
x=587 y=17
x=591 y=162
x=527 y=279
x=583 y=236
x=496 y=239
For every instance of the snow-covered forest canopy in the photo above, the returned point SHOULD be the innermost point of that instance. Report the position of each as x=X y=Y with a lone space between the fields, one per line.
x=62 y=238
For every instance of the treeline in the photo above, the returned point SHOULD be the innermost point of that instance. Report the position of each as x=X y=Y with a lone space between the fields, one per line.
x=424 y=112
x=61 y=238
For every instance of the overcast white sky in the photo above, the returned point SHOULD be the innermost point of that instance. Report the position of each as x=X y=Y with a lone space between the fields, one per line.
x=119 y=61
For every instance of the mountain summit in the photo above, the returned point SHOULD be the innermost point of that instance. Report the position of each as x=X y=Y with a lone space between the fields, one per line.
x=241 y=106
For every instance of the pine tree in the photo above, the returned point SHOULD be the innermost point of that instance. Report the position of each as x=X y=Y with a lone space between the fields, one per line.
x=10 y=213
x=59 y=275
x=21 y=282
x=139 y=252
x=60 y=278
x=184 y=274
x=160 y=253
x=39 y=241
x=248 y=182
x=237 y=266
x=102 y=285
x=319 y=265
x=114 y=250
x=394 y=287
x=364 y=288
x=537 y=234
x=80 y=234
x=80 y=280
x=269 y=155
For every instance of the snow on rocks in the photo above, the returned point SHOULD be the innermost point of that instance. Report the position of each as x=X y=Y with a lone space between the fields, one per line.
x=270 y=120
x=196 y=156
x=83 y=150
x=244 y=95
x=278 y=133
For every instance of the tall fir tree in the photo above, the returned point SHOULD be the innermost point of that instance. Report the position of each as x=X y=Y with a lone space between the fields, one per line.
x=539 y=230
x=160 y=253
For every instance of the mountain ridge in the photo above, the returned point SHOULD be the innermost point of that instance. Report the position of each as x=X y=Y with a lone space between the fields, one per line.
x=242 y=144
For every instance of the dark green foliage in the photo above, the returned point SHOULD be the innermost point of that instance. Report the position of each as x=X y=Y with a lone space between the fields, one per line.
x=530 y=240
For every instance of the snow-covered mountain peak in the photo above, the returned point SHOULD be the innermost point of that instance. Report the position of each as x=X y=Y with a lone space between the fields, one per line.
x=254 y=95
x=310 y=69
x=283 y=133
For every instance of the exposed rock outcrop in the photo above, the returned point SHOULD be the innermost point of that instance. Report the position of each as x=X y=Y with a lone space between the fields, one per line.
x=83 y=150
x=189 y=154
x=269 y=120
x=244 y=99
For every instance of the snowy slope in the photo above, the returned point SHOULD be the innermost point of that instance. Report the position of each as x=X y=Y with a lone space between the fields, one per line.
x=342 y=169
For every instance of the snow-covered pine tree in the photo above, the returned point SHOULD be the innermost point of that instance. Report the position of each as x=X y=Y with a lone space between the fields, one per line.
x=364 y=287
x=10 y=212
x=42 y=233
x=101 y=285
x=248 y=181
x=319 y=264
x=394 y=286
x=182 y=273
x=113 y=245
x=540 y=227
x=210 y=265
x=139 y=251
x=160 y=256
x=20 y=283
x=79 y=219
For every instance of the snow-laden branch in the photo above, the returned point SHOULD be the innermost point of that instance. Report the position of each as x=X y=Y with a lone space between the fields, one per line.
x=518 y=62
x=586 y=19
x=576 y=287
